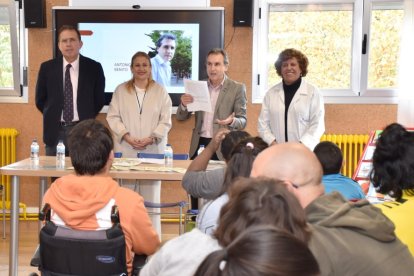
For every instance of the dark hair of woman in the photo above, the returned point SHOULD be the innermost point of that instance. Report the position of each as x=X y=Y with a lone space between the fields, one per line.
x=393 y=162
x=241 y=161
x=258 y=201
x=261 y=251
x=292 y=53
x=230 y=140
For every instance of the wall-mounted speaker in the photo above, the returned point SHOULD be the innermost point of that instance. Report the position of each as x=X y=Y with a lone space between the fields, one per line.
x=243 y=13
x=34 y=13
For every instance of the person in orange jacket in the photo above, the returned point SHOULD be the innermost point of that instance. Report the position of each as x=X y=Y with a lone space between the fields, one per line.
x=84 y=200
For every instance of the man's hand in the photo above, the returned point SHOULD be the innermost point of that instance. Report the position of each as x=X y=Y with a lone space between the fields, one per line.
x=226 y=121
x=186 y=99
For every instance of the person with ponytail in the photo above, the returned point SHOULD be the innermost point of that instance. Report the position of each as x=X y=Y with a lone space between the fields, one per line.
x=252 y=202
x=261 y=251
x=240 y=165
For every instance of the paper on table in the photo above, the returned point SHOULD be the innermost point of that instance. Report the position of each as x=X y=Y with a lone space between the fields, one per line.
x=125 y=162
x=152 y=160
x=365 y=170
x=199 y=91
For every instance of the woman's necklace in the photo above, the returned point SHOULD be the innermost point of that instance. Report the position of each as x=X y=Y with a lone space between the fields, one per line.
x=139 y=103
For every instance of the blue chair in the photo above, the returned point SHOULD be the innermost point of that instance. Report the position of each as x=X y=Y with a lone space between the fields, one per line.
x=180 y=204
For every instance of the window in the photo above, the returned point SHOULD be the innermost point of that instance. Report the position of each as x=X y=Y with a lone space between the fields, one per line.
x=386 y=25
x=10 y=70
x=352 y=46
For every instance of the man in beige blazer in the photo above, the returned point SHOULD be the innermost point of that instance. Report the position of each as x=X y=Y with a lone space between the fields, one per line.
x=228 y=100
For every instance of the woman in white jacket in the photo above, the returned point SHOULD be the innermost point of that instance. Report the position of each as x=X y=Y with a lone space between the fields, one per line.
x=292 y=110
x=140 y=118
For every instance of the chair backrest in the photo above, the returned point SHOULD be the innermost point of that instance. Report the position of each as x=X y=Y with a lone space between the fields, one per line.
x=75 y=252
x=65 y=251
x=180 y=156
x=176 y=156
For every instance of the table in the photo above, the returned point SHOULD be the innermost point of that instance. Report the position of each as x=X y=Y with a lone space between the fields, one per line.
x=47 y=168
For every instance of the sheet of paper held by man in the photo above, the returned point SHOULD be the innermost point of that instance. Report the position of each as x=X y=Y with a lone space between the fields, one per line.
x=201 y=96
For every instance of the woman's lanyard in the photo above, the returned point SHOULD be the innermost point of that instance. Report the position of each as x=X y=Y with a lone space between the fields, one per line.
x=139 y=104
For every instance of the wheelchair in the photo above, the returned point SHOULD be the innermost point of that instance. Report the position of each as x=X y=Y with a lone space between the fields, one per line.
x=63 y=251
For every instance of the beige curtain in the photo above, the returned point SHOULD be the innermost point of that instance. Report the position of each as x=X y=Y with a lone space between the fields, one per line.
x=405 y=114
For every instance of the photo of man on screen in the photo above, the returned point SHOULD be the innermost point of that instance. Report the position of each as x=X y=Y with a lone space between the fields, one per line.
x=161 y=63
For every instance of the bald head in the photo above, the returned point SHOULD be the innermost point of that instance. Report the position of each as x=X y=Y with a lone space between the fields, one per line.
x=292 y=162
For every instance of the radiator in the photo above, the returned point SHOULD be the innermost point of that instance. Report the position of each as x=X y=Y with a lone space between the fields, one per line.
x=352 y=146
x=8 y=156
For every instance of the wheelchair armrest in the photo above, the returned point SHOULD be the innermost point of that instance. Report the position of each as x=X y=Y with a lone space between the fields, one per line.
x=137 y=264
x=44 y=214
x=35 y=261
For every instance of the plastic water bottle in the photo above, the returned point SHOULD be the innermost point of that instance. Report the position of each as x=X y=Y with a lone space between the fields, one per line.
x=34 y=153
x=200 y=150
x=168 y=155
x=60 y=155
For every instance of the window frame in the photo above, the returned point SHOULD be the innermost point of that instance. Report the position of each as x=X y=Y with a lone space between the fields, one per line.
x=365 y=90
x=358 y=93
x=18 y=37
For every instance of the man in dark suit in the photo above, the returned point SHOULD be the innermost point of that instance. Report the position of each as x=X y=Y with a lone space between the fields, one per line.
x=228 y=100
x=70 y=88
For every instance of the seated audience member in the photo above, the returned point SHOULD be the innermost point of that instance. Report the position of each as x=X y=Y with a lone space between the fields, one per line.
x=240 y=164
x=208 y=184
x=348 y=238
x=261 y=251
x=330 y=156
x=84 y=200
x=252 y=202
x=393 y=174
